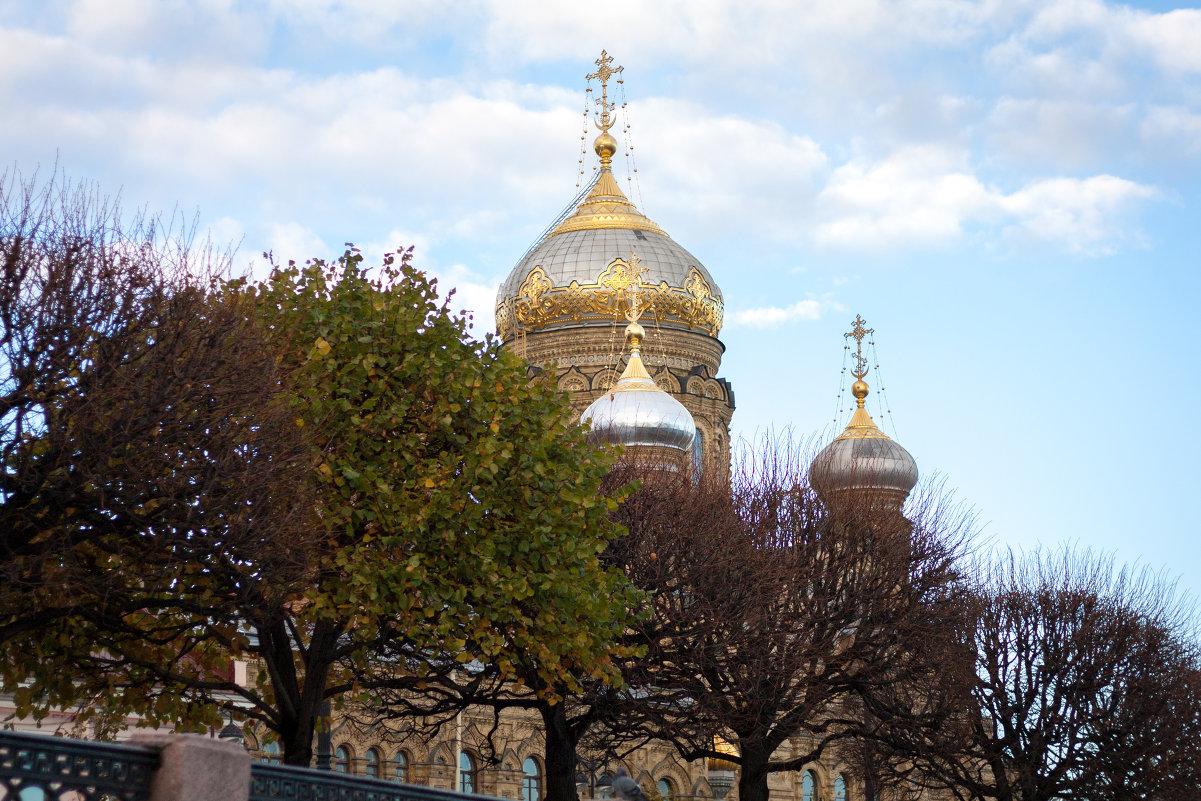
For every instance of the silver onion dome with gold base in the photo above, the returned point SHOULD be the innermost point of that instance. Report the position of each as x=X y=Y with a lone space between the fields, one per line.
x=639 y=415
x=566 y=302
x=863 y=460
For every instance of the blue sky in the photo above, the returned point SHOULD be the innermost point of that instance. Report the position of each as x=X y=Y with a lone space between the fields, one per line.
x=1008 y=192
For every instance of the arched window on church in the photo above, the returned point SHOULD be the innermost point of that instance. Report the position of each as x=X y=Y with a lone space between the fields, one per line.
x=371 y=763
x=840 y=788
x=400 y=767
x=466 y=773
x=342 y=759
x=666 y=790
x=698 y=456
x=531 y=782
x=809 y=786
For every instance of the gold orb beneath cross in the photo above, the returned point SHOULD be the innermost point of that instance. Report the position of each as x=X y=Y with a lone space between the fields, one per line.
x=605 y=145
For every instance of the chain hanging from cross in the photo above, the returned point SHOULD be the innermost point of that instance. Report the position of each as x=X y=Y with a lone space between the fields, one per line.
x=604 y=72
x=858 y=333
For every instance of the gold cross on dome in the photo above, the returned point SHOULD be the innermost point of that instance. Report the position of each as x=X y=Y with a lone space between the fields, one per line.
x=604 y=73
x=858 y=333
x=633 y=275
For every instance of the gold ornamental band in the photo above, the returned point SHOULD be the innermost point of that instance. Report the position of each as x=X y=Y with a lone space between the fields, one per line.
x=539 y=303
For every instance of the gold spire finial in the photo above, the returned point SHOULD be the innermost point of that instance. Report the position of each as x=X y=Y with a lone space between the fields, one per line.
x=861 y=424
x=605 y=121
x=606 y=206
x=605 y=145
x=857 y=333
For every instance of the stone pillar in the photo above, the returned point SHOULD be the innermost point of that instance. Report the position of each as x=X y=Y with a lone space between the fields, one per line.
x=193 y=767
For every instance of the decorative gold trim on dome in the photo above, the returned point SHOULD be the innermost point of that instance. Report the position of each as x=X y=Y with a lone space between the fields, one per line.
x=606 y=207
x=539 y=303
x=862 y=427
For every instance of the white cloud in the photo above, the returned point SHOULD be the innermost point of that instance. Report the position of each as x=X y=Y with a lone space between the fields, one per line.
x=928 y=196
x=210 y=32
x=919 y=195
x=722 y=34
x=1173 y=39
x=1083 y=216
x=1172 y=128
x=721 y=172
x=775 y=316
x=1168 y=39
x=361 y=150
x=919 y=114
x=1081 y=49
x=415 y=149
x=121 y=23
x=293 y=241
x=1063 y=133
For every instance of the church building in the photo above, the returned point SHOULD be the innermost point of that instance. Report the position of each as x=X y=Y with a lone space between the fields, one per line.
x=628 y=320
x=567 y=302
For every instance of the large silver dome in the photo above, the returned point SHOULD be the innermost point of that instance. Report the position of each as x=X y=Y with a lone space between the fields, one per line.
x=573 y=276
x=582 y=256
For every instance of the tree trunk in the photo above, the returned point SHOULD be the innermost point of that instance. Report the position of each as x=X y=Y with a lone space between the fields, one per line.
x=752 y=787
x=297 y=741
x=299 y=704
x=752 y=776
x=560 y=758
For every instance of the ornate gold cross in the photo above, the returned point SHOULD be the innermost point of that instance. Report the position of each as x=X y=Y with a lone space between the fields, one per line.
x=858 y=333
x=633 y=275
x=604 y=73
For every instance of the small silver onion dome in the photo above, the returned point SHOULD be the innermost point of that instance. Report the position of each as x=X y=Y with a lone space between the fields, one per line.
x=636 y=411
x=864 y=463
x=862 y=459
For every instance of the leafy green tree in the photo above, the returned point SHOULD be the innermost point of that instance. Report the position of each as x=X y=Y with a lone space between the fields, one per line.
x=463 y=509
x=449 y=505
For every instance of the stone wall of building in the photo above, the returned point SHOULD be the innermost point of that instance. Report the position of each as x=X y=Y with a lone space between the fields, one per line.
x=431 y=761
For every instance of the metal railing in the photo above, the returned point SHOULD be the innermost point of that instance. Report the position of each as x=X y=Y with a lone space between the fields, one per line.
x=39 y=767
x=34 y=767
x=269 y=782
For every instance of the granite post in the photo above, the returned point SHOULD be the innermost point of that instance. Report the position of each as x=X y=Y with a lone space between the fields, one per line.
x=193 y=767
